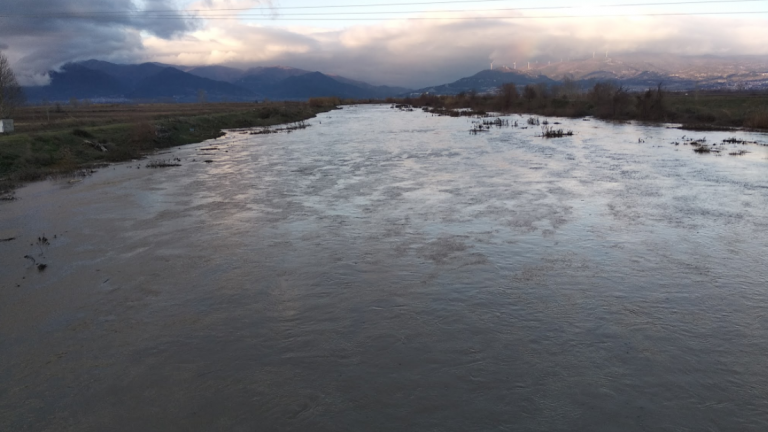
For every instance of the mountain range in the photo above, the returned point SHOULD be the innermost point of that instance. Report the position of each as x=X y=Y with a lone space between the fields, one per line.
x=157 y=82
x=152 y=82
x=635 y=73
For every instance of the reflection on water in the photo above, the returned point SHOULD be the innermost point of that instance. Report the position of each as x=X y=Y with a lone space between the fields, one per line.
x=387 y=270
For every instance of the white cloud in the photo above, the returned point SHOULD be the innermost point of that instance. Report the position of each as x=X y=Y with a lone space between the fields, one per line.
x=423 y=52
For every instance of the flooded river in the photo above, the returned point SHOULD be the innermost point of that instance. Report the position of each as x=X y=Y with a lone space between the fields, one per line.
x=387 y=270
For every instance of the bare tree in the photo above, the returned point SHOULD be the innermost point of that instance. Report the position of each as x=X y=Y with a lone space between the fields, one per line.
x=11 y=95
x=507 y=96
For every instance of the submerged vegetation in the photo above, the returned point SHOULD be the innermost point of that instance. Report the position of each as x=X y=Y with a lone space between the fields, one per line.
x=551 y=132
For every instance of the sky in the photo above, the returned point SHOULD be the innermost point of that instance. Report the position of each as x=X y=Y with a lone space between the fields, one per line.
x=411 y=43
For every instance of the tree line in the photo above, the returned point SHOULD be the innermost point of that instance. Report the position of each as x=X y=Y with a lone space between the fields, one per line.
x=606 y=100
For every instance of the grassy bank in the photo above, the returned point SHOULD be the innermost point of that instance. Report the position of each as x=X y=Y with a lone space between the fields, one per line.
x=82 y=137
x=695 y=110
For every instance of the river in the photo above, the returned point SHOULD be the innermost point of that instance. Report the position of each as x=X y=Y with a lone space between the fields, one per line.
x=388 y=270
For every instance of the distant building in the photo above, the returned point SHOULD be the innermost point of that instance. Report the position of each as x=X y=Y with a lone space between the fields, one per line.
x=6 y=126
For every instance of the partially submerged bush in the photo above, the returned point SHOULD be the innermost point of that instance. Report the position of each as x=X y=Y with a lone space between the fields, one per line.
x=551 y=132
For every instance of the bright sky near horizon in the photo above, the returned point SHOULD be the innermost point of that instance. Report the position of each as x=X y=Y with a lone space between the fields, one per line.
x=398 y=42
x=346 y=13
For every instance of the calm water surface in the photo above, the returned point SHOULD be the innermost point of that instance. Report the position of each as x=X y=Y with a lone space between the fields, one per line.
x=386 y=270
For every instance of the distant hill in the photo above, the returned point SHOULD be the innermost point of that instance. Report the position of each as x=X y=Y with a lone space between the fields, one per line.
x=487 y=81
x=100 y=80
x=129 y=75
x=636 y=73
x=185 y=87
x=217 y=73
x=381 y=91
x=316 y=84
x=77 y=81
x=262 y=80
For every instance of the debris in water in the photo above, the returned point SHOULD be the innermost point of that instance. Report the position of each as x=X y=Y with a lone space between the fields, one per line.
x=738 y=141
x=163 y=163
x=499 y=122
x=42 y=242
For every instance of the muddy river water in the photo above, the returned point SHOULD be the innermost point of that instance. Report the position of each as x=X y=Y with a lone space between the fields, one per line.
x=387 y=270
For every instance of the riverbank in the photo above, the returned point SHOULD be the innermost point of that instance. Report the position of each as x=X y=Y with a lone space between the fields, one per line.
x=606 y=101
x=93 y=136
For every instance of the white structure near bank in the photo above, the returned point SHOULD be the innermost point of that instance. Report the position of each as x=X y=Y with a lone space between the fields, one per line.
x=6 y=126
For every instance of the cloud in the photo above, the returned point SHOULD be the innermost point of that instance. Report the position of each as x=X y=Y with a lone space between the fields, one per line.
x=419 y=53
x=413 y=53
x=42 y=34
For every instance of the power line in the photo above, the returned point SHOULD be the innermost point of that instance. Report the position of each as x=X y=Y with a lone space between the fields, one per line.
x=606 y=6
x=174 y=13
x=479 y=17
x=332 y=6
x=518 y=17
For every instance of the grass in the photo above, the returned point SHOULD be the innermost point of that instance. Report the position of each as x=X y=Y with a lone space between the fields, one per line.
x=719 y=109
x=96 y=135
x=45 y=118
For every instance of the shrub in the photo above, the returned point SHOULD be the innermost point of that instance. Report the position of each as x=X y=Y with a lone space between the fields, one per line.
x=551 y=132
x=320 y=102
x=142 y=135
x=758 y=120
x=82 y=133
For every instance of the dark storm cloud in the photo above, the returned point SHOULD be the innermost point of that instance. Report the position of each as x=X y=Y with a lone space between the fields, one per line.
x=40 y=35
